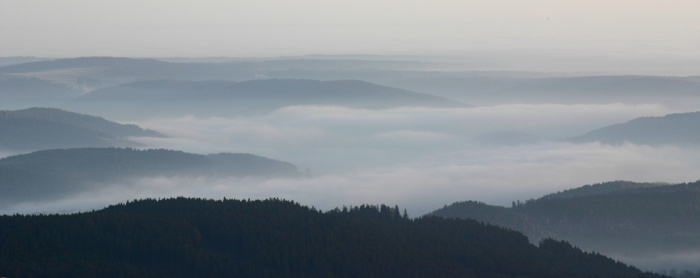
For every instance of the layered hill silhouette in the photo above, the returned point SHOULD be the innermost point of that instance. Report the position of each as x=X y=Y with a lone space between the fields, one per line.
x=621 y=218
x=7 y=61
x=193 y=69
x=23 y=91
x=53 y=174
x=603 y=188
x=49 y=128
x=474 y=87
x=481 y=87
x=107 y=71
x=236 y=238
x=489 y=89
x=226 y=97
x=90 y=73
x=680 y=129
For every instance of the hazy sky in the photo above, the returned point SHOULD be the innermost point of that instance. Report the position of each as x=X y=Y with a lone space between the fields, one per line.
x=60 y=28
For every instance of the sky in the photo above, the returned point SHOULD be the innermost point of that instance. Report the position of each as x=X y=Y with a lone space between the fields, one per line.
x=262 y=28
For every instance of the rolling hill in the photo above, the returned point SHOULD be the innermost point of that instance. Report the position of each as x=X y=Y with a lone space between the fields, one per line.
x=435 y=78
x=8 y=61
x=49 y=128
x=237 y=238
x=107 y=71
x=615 y=218
x=679 y=129
x=53 y=174
x=91 y=73
x=255 y=96
x=29 y=91
x=493 y=89
x=603 y=188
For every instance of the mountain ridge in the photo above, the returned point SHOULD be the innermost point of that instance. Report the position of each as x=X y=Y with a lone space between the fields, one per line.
x=251 y=97
x=634 y=220
x=185 y=237
x=676 y=128
x=49 y=128
x=262 y=88
x=54 y=174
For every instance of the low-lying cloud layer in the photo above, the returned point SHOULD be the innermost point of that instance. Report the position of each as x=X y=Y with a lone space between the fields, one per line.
x=496 y=176
x=418 y=158
x=335 y=139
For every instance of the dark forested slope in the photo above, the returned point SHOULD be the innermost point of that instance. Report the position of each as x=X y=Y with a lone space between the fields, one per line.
x=625 y=218
x=231 y=238
x=603 y=188
x=53 y=174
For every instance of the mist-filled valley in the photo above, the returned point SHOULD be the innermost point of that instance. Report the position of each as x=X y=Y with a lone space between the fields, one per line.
x=80 y=134
x=385 y=138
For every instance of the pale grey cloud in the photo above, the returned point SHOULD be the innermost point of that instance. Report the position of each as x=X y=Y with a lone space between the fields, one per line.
x=418 y=158
x=496 y=176
x=329 y=139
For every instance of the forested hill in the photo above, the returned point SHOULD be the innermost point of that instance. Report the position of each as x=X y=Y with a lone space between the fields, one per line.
x=681 y=128
x=80 y=120
x=16 y=91
x=53 y=174
x=603 y=188
x=259 y=95
x=273 y=238
x=638 y=219
x=48 y=128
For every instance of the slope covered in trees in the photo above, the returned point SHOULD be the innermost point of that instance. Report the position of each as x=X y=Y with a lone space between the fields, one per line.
x=626 y=218
x=681 y=128
x=80 y=120
x=273 y=238
x=19 y=90
x=48 y=128
x=52 y=174
x=603 y=188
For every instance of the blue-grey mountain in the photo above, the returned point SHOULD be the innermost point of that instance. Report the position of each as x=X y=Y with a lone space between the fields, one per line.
x=20 y=91
x=54 y=174
x=678 y=129
x=253 y=96
x=276 y=238
x=49 y=128
x=616 y=218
